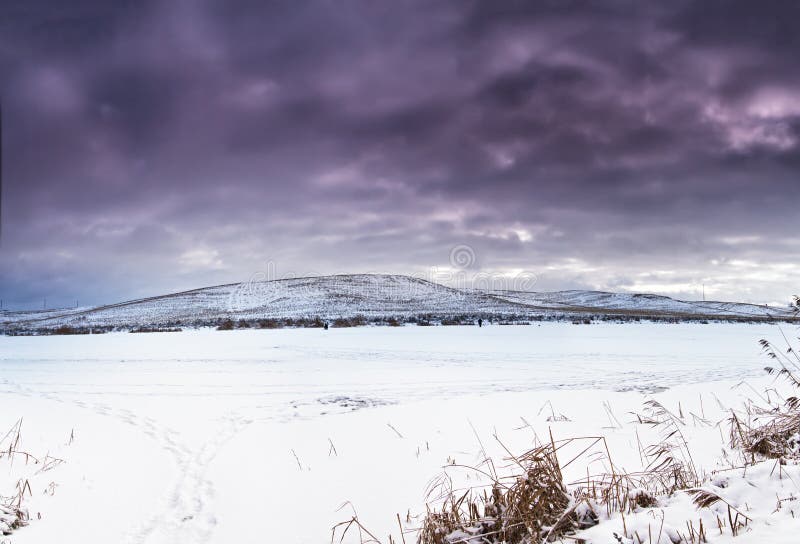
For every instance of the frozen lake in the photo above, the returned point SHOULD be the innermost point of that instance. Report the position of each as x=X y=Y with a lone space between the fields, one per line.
x=217 y=436
x=281 y=369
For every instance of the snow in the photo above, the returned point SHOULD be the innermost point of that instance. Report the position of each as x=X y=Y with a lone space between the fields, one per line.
x=372 y=295
x=277 y=435
x=639 y=302
x=767 y=493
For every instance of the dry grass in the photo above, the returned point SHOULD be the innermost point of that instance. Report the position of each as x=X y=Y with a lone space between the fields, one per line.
x=12 y=518
x=537 y=505
x=533 y=505
x=772 y=430
x=13 y=513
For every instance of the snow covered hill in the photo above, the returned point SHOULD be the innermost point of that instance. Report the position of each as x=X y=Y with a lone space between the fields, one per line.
x=593 y=300
x=373 y=296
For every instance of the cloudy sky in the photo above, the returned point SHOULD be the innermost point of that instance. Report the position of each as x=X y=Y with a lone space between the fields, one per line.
x=155 y=146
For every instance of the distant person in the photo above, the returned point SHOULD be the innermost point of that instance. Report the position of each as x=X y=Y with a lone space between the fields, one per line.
x=325 y=326
x=480 y=322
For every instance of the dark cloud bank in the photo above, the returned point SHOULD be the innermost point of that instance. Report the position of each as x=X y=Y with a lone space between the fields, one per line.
x=156 y=146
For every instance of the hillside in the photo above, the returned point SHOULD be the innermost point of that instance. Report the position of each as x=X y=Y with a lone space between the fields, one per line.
x=637 y=302
x=374 y=297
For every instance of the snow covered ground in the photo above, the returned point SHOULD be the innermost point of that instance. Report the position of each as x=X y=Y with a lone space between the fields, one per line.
x=277 y=435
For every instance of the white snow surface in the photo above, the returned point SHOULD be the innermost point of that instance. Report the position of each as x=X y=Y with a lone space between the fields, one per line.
x=255 y=436
x=370 y=295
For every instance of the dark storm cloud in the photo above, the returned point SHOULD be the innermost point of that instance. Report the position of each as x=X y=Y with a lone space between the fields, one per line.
x=631 y=145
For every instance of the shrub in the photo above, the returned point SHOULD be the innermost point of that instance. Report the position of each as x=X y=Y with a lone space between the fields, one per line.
x=226 y=325
x=270 y=324
x=451 y=321
x=155 y=329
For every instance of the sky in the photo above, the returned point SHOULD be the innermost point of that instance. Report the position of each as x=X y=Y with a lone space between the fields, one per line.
x=157 y=146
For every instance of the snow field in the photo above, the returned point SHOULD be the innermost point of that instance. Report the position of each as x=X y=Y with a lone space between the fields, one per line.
x=254 y=436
